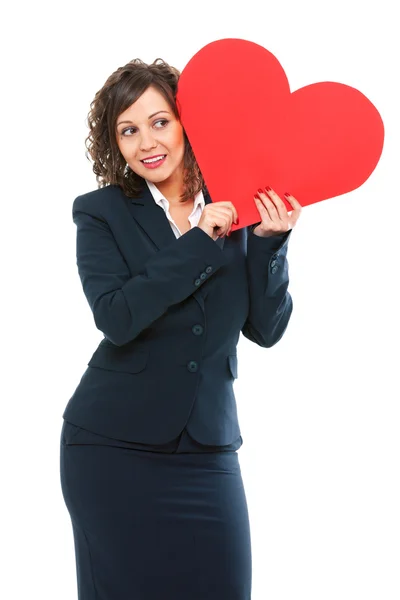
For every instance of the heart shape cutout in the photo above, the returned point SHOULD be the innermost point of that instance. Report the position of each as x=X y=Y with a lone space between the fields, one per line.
x=247 y=129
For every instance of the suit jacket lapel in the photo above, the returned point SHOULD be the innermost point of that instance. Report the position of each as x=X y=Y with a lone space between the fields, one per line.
x=154 y=221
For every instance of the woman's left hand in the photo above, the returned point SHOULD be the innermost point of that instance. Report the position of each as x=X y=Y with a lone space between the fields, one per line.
x=275 y=219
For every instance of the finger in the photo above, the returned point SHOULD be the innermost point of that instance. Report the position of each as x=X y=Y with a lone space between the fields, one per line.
x=273 y=224
x=269 y=205
x=231 y=215
x=223 y=213
x=232 y=209
x=229 y=210
x=264 y=214
x=295 y=213
x=295 y=203
x=279 y=217
x=279 y=204
x=294 y=218
x=234 y=214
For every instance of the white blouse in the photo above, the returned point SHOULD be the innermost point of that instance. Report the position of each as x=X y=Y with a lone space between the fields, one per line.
x=195 y=215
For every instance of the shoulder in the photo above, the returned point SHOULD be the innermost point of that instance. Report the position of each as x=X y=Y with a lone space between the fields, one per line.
x=97 y=201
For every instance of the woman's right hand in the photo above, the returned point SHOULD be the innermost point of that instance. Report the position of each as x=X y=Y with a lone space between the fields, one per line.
x=216 y=218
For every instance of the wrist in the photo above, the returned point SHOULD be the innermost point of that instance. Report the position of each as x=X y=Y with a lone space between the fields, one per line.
x=259 y=232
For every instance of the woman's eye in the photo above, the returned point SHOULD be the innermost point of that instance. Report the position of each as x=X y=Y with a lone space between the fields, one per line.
x=163 y=122
x=158 y=124
x=123 y=132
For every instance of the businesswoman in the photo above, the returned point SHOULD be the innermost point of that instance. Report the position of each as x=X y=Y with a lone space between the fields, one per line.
x=148 y=457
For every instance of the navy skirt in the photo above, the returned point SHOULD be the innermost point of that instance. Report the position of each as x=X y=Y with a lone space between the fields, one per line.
x=158 y=523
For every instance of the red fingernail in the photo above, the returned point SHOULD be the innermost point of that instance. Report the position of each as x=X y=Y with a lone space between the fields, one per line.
x=260 y=190
x=286 y=194
x=268 y=188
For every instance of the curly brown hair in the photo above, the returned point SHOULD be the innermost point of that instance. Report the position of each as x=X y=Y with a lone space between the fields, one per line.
x=123 y=88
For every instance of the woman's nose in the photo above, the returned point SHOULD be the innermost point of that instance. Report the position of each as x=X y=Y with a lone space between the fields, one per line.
x=147 y=142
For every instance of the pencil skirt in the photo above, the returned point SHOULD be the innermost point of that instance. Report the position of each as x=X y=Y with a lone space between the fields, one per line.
x=151 y=525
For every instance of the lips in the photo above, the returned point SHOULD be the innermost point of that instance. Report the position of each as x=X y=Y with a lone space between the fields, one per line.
x=155 y=164
x=151 y=157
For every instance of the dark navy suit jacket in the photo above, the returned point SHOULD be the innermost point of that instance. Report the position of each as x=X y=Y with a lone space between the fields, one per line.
x=171 y=311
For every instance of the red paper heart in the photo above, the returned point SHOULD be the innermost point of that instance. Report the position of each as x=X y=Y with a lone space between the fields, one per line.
x=248 y=131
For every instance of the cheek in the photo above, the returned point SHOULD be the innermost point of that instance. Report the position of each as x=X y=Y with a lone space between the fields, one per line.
x=177 y=134
x=121 y=147
x=179 y=142
x=127 y=147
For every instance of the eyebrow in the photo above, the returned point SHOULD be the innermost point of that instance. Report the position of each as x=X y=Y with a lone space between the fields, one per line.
x=153 y=115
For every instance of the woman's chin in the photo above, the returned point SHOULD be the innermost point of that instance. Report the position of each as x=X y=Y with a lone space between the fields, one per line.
x=158 y=177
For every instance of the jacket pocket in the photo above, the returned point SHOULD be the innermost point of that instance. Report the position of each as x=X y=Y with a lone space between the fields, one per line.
x=68 y=432
x=117 y=359
x=233 y=365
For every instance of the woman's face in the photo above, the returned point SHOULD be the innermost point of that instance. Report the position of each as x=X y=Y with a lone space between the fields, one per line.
x=149 y=129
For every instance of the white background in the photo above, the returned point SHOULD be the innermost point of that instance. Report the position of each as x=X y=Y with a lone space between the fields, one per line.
x=319 y=412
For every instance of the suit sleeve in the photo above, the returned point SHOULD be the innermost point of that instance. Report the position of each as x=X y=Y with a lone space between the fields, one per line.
x=270 y=303
x=122 y=305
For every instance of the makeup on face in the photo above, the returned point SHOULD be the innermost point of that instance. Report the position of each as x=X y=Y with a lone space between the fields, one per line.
x=153 y=162
x=150 y=137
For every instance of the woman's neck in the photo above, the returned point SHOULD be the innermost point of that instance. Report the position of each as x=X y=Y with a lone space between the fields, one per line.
x=172 y=188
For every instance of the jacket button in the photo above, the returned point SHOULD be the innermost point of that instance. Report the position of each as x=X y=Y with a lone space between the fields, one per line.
x=192 y=366
x=208 y=269
x=197 y=329
x=274 y=269
x=203 y=276
x=197 y=282
x=273 y=263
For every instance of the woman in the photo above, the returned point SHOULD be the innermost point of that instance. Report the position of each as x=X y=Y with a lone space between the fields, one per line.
x=149 y=465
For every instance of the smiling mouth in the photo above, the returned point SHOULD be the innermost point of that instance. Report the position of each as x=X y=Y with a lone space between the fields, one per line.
x=154 y=159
